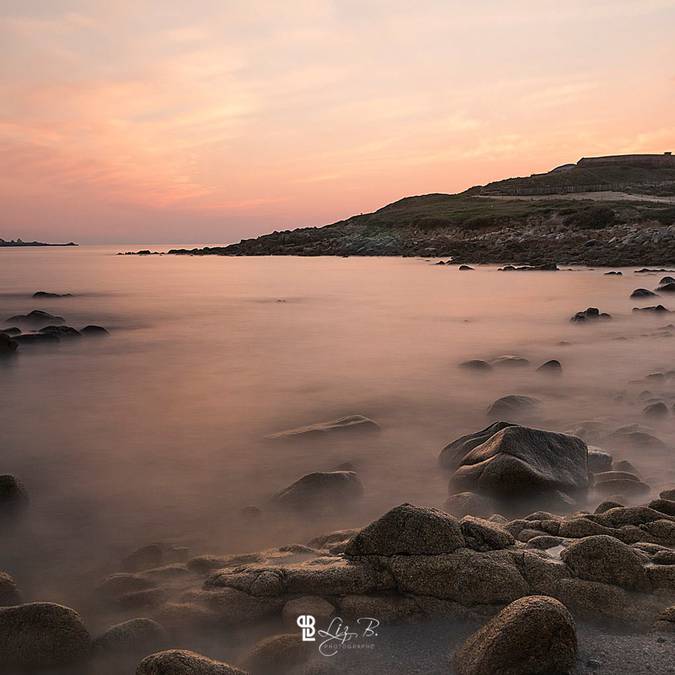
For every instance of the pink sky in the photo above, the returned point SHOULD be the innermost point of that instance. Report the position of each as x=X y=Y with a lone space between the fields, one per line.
x=212 y=120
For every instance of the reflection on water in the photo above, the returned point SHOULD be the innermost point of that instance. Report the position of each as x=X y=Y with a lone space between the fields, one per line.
x=158 y=431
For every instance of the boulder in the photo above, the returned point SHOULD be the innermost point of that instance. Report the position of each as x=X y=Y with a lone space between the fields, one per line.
x=533 y=635
x=522 y=462
x=319 y=608
x=512 y=405
x=350 y=424
x=642 y=293
x=668 y=494
x=607 y=560
x=598 y=460
x=328 y=490
x=635 y=438
x=278 y=654
x=666 y=506
x=408 y=530
x=465 y=576
x=667 y=287
x=454 y=453
x=465 y=268
x=7 y=345
x=657 y=410
x=11 y=331
x=653 y=309
x=607 y=505
x=133 y=638
x=476 y=364
x=510 y=361
x=9 y=593
x=41 y=635
x=665 y=621
x=13 y=496
x=482 y=535
x=551 y=367
x=37 y=318
x=182 y=662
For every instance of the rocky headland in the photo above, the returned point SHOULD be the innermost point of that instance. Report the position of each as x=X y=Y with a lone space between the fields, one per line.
x=600 y=211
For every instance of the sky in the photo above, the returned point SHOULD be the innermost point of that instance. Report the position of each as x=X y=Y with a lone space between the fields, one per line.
x=166 y=121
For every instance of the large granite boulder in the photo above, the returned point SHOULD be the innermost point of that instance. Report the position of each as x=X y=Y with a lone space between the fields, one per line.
x=322 y=490
x=606 y=559
x=41 y=635
x=408 y=530
x=454 y=453
x=533 y=635
x=182 y=662
x=520 y=462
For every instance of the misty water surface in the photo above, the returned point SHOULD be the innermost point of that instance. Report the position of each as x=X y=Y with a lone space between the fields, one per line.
x=156 y=433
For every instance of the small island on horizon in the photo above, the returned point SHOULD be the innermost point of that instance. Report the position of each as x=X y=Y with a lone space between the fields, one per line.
x=17 y=243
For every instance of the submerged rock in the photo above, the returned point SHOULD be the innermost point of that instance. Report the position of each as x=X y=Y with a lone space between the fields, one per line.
x=657 y=410
x=469 y=504
x=154 y=555
x=510 y=361
x=533 y=635
x=590 y=314
x=13 y=495
x=551 y=367
x=321 y=491
x=48 y=294
x=93 y=330
x=465 y=268
x=512 y=405
x=183 y=662
x=408 y=530
x=278 y=654
x=351 y=424
x=60 y=331
x=36 y=317
x=642 y=293
x=134 y=638
x=37 y=338
x=320 y=609
x=7 y=344
x=521 y=462
x=654 y=309
x=598 y=460
x=476 y=364
x=668 y=287
x=41 y=635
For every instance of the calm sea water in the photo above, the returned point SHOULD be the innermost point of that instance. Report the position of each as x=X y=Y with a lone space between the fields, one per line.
x=157 y=432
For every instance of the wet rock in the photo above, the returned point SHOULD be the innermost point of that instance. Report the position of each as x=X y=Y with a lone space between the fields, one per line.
x=668 y=494
x=619 y=483
x=9 y=593
x=666 y=280
x=454 y=453
x=607 y=505
x=60 y=331
x=482 y=535
x=387 y=608
x=642 y=293
x=47 y=294
x=613 y=273
x=522 y=462
x=319 y=608
x=532 y=635
x=11 y=331
x=668 y=288
x=278 y=654
x=510 y=361
x=154 y=555
x=590 y=314
x=465 y=268
x=635 y=438
x=654 y=309
x=598 y=460
x=118 y=585
x=469 y=504
x=666 y=506
x=512 y=405
x=607 y=560
x=465 y=576
x=93 y=331
x=41 y=635
x=476 y=364
x=134 y=638
x=321 y=491
x=343 y=425
x=657 y=410
x=551 y=367
x=408 y=530
x=233 y=606
x=37 y=317
x=182 y=662
x=7 y=345
x=13 y=496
